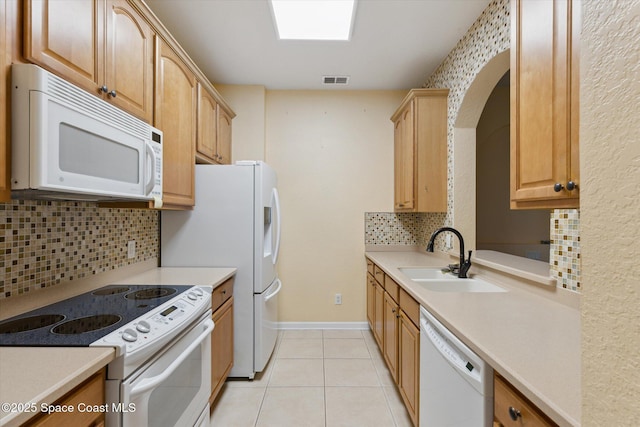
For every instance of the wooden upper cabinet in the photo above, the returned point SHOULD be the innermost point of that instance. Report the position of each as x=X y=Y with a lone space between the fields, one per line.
x=213 y=144
x=103 y=46
x=66 y=37
x=544 y=104
x=207 y=126
x=129 y=60
x=5 y=81
x=404 y=161
x=175 y=113
x=224 y=136
x=420 y=152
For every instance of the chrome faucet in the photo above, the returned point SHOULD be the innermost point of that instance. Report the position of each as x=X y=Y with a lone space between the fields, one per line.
x=464 y=265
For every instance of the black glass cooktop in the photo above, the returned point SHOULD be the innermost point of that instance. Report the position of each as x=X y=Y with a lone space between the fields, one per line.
x=84 y=319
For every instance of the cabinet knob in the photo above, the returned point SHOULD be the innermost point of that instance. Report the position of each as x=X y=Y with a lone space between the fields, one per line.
x=558 y=187
x=571 y=185
x=112 y=94
x=104 y=89
x=514 y=414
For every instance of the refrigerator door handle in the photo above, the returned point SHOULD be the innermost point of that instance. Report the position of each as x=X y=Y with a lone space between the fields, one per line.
x=276 y=199
x=274 y=293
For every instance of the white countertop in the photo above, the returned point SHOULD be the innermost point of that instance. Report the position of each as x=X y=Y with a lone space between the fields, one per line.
x=531 y=339
x=45 y=374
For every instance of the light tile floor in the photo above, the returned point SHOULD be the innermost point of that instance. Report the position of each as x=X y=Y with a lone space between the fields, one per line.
x=324 y=378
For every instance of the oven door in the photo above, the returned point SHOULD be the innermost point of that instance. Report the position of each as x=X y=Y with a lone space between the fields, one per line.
x=174 y=388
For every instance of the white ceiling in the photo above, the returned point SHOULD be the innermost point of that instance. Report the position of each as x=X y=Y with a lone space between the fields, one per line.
x=396 y=44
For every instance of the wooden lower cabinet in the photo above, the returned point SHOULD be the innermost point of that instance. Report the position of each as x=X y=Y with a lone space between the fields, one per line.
x=512 y=409
x=221 y=347
x=371 y=300
x=221 y=337
x=391 y=321
x=409 y=365
x=89 y=393
x=393 y=316
x=378 y=320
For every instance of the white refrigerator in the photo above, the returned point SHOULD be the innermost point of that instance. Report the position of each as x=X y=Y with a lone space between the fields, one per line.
x=235 y=223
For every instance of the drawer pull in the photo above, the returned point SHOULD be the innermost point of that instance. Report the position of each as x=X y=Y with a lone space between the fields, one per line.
x=514 y=414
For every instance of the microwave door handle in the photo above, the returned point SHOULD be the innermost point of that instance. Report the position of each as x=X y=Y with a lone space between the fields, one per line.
x=149 y=383
x=152 y=178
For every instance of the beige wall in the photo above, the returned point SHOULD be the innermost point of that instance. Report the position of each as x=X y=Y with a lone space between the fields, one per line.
x=610 y=212
x=333 y=153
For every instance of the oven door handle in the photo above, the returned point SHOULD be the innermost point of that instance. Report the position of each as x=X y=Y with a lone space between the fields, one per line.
x=149 y=383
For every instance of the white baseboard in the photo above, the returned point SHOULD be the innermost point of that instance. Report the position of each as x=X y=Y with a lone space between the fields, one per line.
x=323 y=325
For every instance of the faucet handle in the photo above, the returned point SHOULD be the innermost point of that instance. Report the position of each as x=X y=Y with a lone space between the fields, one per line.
x=469 y=259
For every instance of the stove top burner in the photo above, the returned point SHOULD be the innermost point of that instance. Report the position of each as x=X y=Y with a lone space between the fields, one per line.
x=86 y=324
x=151 y=293
x=111 y=290
x=82 y=320
x=30 y=323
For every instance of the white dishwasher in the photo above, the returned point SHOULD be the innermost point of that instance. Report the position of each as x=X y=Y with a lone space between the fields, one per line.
x=456 y=386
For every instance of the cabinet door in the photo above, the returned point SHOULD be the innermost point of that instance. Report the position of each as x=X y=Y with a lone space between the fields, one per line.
x=390 y=350
x=404 y=161
x=221 y=347
x=129 y=60
x=371 y=300
x=224 y=137
x=175 y=115
x=543 y=125
x=66 y=37
x=409 y=368
x=5 y=78
x=207 y=126
x=430 y=153
x=378 y=319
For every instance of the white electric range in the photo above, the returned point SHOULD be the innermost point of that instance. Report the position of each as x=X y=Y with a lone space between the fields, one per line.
x=162 y=336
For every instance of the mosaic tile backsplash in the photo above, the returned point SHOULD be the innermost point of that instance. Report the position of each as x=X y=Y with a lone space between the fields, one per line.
x=44 y=243
x=411 y=229
x=565 y=248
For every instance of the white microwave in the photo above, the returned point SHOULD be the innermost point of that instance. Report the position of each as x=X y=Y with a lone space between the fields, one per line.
x=67 y=144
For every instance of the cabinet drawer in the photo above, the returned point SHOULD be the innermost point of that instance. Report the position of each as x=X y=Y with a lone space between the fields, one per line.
x=90 y=393
x=507 y=400
x=410 y=307
x=378 y=274
x=392 y=288
x=221 y=294
x=369 y=266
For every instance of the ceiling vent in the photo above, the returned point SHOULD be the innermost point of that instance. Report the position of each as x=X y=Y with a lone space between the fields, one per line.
x=335 y=80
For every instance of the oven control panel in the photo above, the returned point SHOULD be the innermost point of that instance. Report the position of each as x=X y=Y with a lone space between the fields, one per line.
x=160 y=324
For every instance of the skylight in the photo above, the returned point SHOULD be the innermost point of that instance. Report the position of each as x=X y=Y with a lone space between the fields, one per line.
x=313 y=19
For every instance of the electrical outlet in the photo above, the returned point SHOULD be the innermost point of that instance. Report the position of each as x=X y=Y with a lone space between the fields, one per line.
x=338 y=299
x=447 y=241
x=131 y=249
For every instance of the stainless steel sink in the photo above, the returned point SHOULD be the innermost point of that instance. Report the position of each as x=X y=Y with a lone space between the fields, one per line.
x=424 y=273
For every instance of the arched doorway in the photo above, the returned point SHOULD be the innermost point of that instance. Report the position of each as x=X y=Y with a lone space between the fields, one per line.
x=481 y=171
